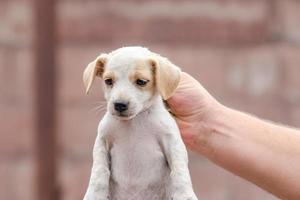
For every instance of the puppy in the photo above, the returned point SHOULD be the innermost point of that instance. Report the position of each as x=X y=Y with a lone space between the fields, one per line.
x=138 y=153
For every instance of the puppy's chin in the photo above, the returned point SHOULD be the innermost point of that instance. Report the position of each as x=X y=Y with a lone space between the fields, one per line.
x=123 y=117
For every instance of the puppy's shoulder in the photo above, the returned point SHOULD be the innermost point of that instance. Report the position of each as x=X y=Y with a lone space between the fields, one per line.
x=164 y=121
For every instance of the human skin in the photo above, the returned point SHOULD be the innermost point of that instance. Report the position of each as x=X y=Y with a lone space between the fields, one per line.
x=262 y=152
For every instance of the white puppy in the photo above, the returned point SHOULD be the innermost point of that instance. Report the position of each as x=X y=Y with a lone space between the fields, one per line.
x=138 y=153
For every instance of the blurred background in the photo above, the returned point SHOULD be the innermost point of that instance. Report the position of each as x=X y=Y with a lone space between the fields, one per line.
x=246 y=53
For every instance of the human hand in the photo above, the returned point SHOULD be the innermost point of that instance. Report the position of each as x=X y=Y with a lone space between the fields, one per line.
x=243 y=144
x=193 y=108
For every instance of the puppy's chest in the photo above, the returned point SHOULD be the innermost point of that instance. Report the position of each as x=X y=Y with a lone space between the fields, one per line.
x=136 y=155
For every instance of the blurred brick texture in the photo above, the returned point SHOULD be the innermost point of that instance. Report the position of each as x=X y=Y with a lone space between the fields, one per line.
x=246 y=53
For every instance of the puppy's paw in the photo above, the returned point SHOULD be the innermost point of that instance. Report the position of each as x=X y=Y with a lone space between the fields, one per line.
x=184 y=198
x=187 y=198
x=190 y=196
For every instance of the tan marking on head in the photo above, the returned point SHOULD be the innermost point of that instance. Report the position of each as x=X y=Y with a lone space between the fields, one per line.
x=109 y=74
x=143 y=70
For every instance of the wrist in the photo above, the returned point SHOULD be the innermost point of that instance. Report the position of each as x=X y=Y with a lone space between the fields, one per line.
x=213 y=132
x=227 y=141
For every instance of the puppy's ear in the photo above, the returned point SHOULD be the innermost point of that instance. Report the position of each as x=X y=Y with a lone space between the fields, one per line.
x=167 y=76
x=95 y=68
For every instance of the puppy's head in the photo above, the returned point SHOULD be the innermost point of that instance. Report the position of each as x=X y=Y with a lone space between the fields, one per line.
x=132 y=77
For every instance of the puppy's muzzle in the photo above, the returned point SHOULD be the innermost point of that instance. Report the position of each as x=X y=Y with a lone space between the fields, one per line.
x=121 y=106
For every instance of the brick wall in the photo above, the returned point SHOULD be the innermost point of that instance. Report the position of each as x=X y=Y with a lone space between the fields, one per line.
x=246 y=53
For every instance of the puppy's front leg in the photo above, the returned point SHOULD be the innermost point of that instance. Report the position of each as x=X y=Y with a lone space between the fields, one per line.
x=176 y=154
x=98 y=188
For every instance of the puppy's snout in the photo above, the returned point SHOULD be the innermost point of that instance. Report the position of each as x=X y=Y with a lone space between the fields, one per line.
x=121 y=106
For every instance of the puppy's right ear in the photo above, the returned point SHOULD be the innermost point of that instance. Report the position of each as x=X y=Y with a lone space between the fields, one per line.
x=95 y=68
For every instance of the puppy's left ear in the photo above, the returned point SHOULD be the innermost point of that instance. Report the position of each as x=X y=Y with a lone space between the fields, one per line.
x=95 y=68
x=167 y=76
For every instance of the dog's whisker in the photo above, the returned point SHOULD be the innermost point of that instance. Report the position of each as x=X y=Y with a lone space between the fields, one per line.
x=98 y=108
x=99 y=103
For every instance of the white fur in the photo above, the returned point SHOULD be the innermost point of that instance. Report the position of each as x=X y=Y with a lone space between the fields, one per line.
x=142 y=157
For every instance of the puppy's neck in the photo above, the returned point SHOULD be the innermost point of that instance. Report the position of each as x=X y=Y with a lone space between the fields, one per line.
x=155 y=104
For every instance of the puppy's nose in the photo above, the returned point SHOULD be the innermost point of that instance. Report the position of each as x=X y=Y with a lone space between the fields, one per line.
x=121 y=106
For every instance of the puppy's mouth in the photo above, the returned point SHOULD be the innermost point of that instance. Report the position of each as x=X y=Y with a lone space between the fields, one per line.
x=123 y=116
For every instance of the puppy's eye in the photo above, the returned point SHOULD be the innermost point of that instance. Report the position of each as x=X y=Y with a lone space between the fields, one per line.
x=108 y=81
x=141 y=82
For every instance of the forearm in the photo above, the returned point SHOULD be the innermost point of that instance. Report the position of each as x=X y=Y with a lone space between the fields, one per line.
x=261 y=152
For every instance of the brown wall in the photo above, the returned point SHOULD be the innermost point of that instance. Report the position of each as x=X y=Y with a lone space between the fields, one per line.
x=246 y=53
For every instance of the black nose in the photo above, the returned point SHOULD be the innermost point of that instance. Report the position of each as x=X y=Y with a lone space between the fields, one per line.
x=121 y=106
